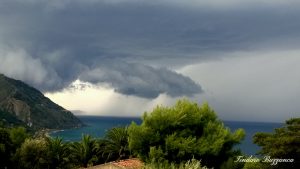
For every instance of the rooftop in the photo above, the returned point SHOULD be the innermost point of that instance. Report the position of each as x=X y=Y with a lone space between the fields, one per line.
x=133 y=163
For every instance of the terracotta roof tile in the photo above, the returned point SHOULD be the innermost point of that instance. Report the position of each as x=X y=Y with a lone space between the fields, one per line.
x=133 y=163
x=130 y=163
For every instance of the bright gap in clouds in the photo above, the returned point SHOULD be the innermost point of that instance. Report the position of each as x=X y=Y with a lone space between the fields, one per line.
x=88 y=99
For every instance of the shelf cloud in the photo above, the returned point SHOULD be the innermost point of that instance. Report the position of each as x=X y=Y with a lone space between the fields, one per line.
x=135 y=46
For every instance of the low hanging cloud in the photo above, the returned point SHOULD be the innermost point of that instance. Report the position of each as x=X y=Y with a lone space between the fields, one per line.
x=18 y=64
x=142 y=80
x=126 y=78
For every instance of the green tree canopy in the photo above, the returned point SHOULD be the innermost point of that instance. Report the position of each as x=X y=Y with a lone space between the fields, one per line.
x=6 y=148
x=116 y=144
x=181 y=133
x=284 y=143
x=57 y=153
x=18 y=136
x=33 y=154
x=84 y=153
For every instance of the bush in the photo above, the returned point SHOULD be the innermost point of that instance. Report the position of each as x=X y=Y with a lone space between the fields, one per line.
x=185 y=131
x=84 y=153
x=6 y=148
x=284 y=143
x=33 y=154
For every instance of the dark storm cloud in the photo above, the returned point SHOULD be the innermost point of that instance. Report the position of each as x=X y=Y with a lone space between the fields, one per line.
x=55 y=42
x=142 y=80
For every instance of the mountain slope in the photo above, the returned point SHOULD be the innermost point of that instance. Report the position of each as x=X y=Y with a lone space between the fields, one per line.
x=30 y=106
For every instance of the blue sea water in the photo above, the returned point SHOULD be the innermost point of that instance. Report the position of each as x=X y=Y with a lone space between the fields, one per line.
x=98 y=125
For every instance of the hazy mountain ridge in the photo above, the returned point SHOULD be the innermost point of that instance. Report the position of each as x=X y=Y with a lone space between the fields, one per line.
x=30 y=106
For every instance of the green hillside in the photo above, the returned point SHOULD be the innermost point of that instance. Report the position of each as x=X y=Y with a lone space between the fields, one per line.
x=8 y=119
x=20 y=103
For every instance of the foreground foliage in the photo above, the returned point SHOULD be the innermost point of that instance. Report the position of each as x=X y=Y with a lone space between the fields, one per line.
x=167 y=139
x=84 y=153
x=115 y=144
x=58 y=154
x=185 y=131
x=11 y=140
x=284 y=143
x=33 y=154
x=6 y=148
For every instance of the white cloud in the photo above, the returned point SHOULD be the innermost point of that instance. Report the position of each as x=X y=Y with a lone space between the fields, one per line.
x=18 y=64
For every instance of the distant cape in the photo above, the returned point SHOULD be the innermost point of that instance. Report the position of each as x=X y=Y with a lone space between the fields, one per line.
x=21 y=104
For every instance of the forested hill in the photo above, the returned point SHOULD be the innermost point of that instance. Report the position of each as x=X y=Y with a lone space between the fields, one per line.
x=22 y=104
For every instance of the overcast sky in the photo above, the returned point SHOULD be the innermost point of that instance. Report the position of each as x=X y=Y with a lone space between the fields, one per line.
x=123 y=57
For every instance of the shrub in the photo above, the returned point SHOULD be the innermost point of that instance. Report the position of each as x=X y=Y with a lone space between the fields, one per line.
x=185 y=131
